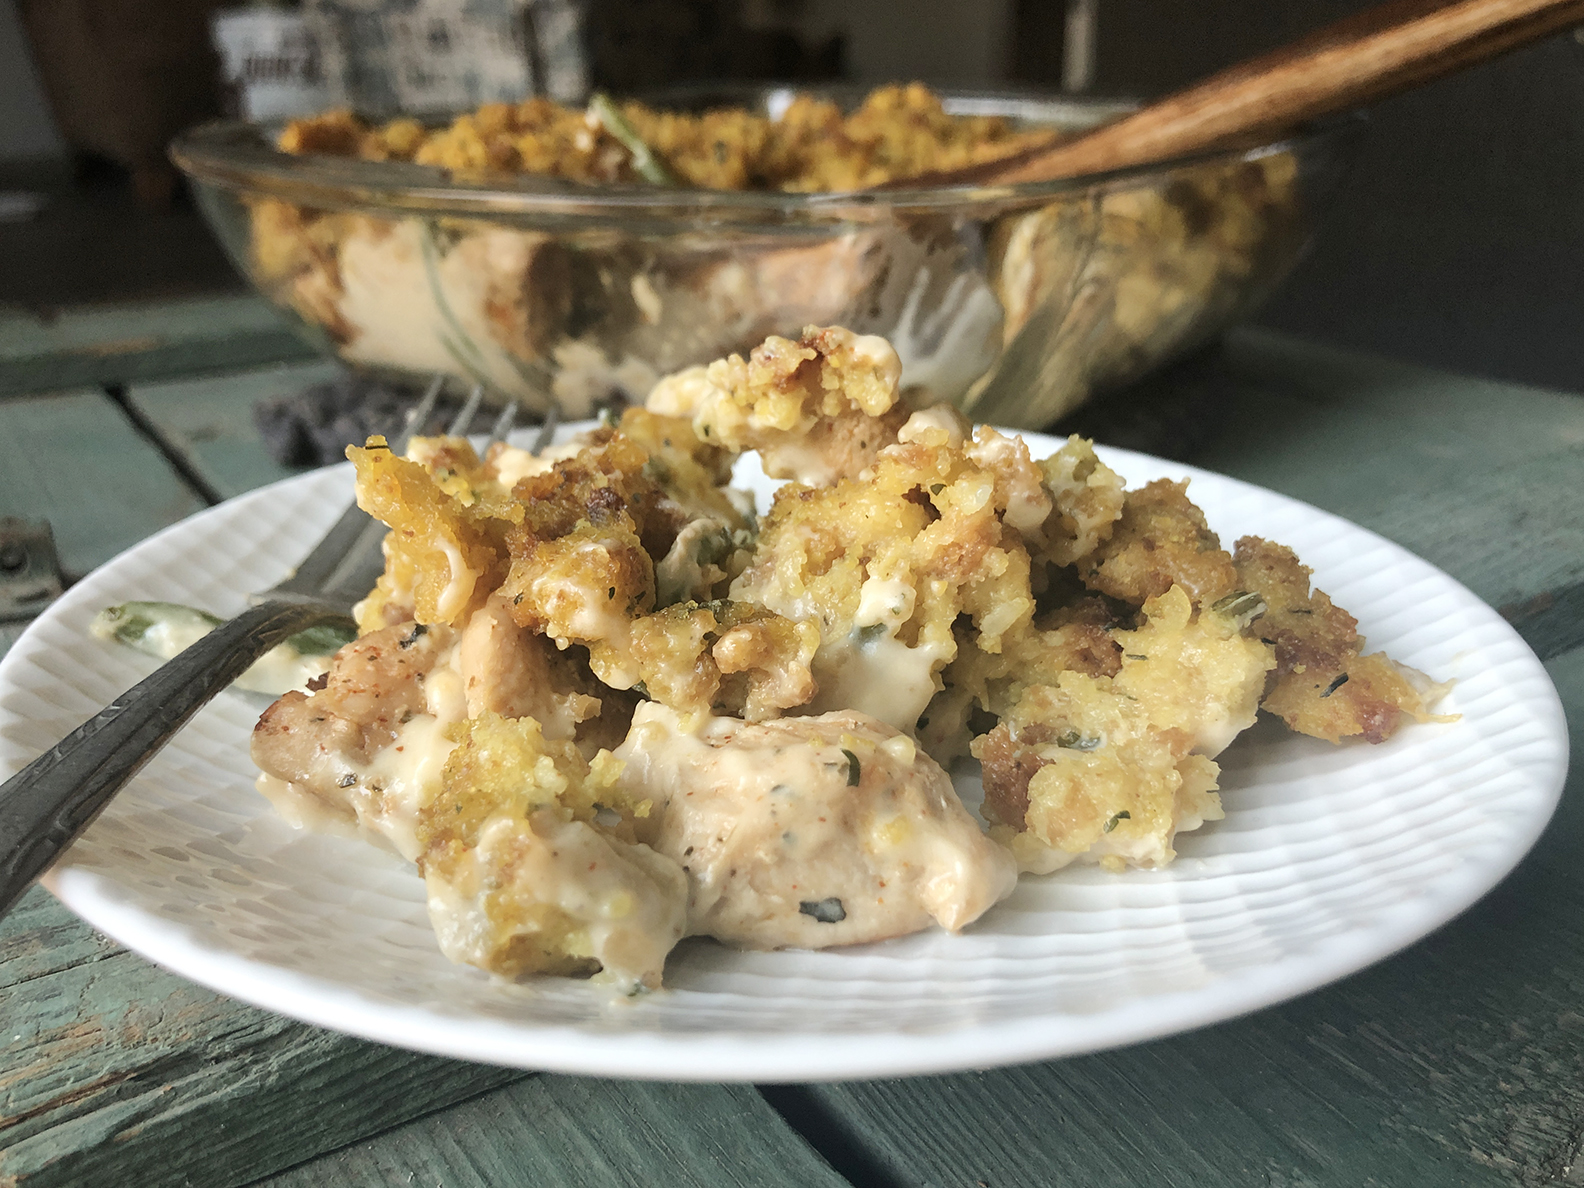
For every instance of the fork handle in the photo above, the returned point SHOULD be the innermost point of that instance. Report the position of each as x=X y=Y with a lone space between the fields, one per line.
x=46 y=805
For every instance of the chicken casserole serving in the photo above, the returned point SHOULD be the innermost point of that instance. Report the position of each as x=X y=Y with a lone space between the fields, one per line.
x=603 y=703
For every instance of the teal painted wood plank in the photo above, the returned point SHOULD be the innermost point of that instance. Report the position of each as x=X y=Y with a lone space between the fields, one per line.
x=39 y=938
x=74 y=459
x=143 y=341
x=554 y=1130
x=1282 y=1126
x=210 y=420
x=1460 y=1061
x=1480 y=478
x=109 y=1068
x=115 y=1072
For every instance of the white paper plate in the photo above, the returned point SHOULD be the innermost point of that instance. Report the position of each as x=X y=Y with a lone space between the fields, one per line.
x=1329 y=857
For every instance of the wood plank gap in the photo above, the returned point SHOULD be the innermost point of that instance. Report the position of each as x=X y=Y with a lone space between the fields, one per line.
x=172 y=453
x=1551 y=623
x=104 y=955
x=829 y=1134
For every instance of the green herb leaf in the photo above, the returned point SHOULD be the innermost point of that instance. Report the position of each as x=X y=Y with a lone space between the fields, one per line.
x=131 y=621
x=1124 y=815
x=854 y=770
x=324 y=640
x=867 y=636
x=1241 y=607
x=648 y=166
x=826 y=911
x=1071 y=740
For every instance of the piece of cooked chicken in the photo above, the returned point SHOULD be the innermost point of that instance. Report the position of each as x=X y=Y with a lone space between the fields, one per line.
x=329 y=757
x=363 y=750
x=809 y=832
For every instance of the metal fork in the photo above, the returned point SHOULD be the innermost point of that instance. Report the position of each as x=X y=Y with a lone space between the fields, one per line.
x=46 y=805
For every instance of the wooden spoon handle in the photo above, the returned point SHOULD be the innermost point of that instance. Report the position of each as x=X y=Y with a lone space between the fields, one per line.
x=1375 y=53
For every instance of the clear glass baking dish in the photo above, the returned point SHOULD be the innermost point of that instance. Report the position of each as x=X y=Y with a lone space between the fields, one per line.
x=1015 y=302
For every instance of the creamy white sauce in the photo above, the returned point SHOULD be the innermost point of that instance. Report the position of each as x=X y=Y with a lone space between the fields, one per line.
x=627 y=904
x=175 y=629
x=304 y=810
x=794 y=459
x=684 y=393
x=881 y=677
x=513 y=464
x=587 y=615
x=938 y=425
x=878 y=353
x=680 y=575
x=399 y=780
x=887 y=601
x=459 y=586
x=944 y=350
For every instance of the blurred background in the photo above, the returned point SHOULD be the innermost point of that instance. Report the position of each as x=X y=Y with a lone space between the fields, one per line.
x=1459 y=240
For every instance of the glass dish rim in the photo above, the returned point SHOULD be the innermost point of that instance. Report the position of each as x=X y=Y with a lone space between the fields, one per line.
x=235 y=155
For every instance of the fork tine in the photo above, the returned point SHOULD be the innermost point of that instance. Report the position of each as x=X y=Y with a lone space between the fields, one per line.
x=547 y=431
x=503 y=424
x=418 y=415
x=459 y=424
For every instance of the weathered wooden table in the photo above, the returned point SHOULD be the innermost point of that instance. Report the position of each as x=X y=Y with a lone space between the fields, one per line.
x=1457 y=1062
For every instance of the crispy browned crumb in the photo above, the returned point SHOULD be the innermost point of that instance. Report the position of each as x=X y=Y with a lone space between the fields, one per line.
x=1160 y=541
x=817 y=409
x=898 y=132
x=1322 y=686
x=334 y=133
x=1088 y=500
x=446 y=550
x=1007 y=766
x=515 y=815
x=1080 y=769
x=730 y=658
x=579 y=570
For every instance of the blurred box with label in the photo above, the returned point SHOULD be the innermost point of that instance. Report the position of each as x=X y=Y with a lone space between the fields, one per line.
x=419 y=57
x=270 y=64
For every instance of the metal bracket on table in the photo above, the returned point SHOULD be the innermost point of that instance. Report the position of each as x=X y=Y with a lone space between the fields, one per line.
x=30 y=572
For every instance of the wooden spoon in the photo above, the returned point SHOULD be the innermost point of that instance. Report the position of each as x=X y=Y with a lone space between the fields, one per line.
x=1378 y=52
